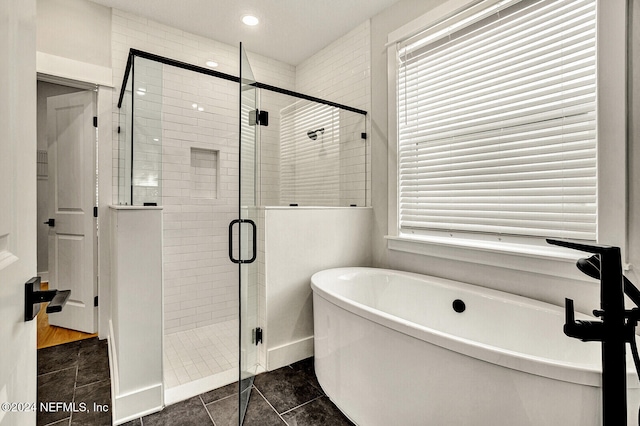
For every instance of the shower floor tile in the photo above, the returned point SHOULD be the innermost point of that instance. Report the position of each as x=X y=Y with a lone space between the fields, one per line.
x=193 y=354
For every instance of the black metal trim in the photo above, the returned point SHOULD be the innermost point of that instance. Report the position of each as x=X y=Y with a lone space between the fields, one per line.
x=133 y=113
x=308 y=98
x=218 y=74
x=127 y=69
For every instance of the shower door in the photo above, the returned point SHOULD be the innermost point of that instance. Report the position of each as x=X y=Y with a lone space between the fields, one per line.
x=243 y=230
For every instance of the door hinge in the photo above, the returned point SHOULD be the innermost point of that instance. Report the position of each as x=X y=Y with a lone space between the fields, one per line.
x=118 y=129
x=257 y=335
x=95 y=301
x=95 y=212
x=259 y=117
x=95 y=121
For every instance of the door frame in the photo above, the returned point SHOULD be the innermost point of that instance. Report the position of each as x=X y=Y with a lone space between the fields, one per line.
x=59 y=70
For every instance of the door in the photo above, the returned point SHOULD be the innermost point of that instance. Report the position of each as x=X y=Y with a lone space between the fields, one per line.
x=249 y=330
x=17 y=209
x=71 y=139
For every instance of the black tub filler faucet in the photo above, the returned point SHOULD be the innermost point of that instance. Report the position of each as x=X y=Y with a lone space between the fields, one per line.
x=616 y=328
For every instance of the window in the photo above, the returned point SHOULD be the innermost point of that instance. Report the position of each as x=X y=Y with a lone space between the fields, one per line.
x=497 y=122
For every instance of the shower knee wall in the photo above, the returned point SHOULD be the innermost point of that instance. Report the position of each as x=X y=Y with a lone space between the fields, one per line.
x=298 y=242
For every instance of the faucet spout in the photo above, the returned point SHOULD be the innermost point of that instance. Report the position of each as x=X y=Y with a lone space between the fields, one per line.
x=591 y=267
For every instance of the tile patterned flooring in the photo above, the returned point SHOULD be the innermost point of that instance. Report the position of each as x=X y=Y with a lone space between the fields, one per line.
x=289 y=396
x=193 y=354
x=76 y=372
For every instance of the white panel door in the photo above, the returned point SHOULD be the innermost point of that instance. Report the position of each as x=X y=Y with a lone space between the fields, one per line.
x=17 y=208
x=71 y=140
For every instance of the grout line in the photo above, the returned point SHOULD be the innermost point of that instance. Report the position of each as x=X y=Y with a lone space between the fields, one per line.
x=56 y=421
x=267 y=401
x=303 y=404
x=92 y=383
x=206 y=409
x=73 y=400
x=57 y=371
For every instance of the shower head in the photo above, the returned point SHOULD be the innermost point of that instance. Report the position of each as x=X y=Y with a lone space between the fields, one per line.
x=313 y=134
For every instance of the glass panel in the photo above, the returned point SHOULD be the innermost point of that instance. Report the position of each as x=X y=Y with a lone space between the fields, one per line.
x=323 y=156
x=146 y=179
x=249 y=134
x=311 y=154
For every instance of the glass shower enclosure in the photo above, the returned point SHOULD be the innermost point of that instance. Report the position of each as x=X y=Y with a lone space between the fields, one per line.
x=216 y=165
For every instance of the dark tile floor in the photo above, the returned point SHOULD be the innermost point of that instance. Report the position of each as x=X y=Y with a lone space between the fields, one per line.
x=288 y=396
x=74 y=384
x=77 y=375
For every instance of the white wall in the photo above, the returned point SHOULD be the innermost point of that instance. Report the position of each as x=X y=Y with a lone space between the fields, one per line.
x=18 y=192
x=634 y=143
x=77 y=30
x=135 y=347
x=299 y=242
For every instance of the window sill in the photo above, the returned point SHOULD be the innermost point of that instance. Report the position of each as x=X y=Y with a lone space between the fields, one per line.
x=547 y=260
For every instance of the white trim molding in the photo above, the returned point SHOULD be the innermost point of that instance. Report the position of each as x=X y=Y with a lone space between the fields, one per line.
x=71 y=69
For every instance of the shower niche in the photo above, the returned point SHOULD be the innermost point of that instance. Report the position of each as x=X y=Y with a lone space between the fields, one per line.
x=187 y=143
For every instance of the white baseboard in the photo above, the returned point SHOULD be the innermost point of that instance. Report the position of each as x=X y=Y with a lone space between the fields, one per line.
x=137 y=404
x=133 y=404
x=289 y=353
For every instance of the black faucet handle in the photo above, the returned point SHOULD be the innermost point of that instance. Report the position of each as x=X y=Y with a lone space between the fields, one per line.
x=583 y=330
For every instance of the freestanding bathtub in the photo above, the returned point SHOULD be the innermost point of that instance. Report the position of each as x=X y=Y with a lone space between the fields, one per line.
x=390 y=349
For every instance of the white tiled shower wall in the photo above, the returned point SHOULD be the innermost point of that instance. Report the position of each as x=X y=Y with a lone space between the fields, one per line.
x=200 y=282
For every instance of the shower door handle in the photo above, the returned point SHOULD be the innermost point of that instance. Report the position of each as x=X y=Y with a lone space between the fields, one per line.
x=254 y=242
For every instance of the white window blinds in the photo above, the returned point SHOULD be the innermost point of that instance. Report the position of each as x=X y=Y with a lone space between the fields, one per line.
x=497 y=122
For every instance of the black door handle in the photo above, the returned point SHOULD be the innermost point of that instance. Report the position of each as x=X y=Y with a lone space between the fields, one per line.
x=50 y=222
x=255 y=240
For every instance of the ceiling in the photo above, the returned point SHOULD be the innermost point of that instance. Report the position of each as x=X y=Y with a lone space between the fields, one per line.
x=289 y=30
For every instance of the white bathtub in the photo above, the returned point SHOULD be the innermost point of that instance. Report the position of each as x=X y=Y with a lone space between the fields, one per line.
x=391 y=350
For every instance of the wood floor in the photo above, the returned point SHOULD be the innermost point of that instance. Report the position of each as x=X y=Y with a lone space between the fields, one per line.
x=50 y=335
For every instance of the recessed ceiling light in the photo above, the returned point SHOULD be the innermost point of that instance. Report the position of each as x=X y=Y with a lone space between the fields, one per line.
x=194 y=106
x=211 y=64
x=200 y=109
x=250 y=20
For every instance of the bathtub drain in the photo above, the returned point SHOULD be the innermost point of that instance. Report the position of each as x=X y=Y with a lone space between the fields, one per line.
x=459 y=306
